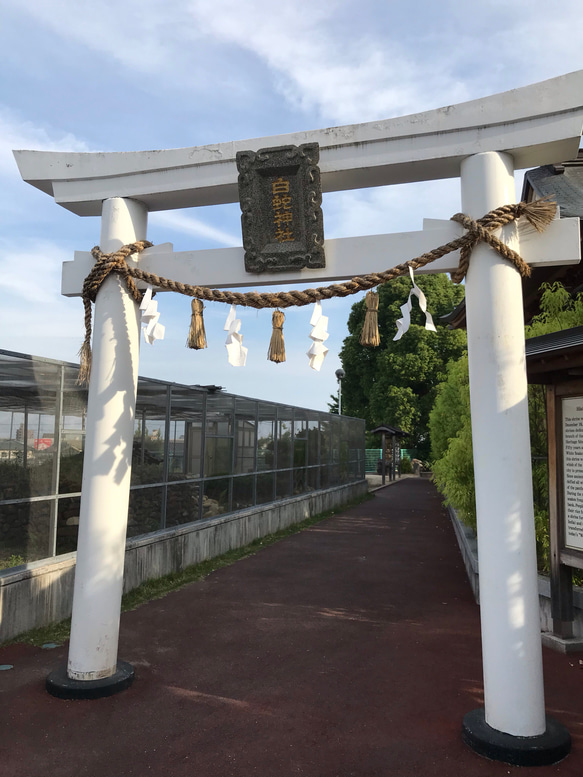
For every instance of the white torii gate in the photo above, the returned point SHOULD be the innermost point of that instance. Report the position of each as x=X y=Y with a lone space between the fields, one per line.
x=482 y=142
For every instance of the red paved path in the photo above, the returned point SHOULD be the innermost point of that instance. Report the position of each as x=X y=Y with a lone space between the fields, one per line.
x=349 y=650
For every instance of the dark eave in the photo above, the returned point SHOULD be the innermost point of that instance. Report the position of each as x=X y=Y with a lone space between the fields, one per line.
x=556 y=356
x=392 y=430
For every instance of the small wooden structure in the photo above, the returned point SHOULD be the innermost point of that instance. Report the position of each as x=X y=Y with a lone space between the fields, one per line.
x=556 y=360
x=395 y=435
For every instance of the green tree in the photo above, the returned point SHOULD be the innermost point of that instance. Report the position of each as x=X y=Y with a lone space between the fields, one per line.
x=396 y=383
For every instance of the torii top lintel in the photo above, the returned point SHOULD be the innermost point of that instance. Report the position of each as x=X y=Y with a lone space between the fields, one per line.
x=537 y=124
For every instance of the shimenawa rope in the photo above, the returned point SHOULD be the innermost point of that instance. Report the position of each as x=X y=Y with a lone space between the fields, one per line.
x=539 y=214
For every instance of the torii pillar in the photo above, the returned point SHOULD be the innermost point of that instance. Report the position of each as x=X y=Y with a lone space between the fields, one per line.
x=480 y=141
x=512 y=726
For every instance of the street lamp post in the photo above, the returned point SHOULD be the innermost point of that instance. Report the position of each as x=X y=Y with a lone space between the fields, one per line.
x=339 y=376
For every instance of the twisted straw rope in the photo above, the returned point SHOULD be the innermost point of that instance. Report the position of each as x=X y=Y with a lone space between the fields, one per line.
x=539 y=214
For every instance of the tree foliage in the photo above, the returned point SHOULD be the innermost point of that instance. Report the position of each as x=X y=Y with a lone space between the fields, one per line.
x=450 y=427
x=396 y=383
x=559 y=310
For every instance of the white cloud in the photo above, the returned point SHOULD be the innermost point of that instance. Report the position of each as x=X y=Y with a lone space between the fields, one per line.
x=191 y=225
x=384 y=65
x=136 y=33
x=31 y=270
x=343 y=77
x=35 y=317
x=342 y=60
x=389 y=208
x=18 y=133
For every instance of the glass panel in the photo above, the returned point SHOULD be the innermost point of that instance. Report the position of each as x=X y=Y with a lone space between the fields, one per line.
x=149 y=434
x=313 y=440
x=244 y=445
x=284 y=486
x=216 y=497
x=14 y=480
x=300 y=438
x=325 y=440
x=72 y=434
x=312 y=478
x=243 y=492
x=182 y=502
x=176 y=446
x=299 y=480
x=334 y=440
x=266 y=437
x=265 y=483
x=245 y=407
x=356 y=453
x=41 y=452
x=29 y=393
x=194 y=439
x=24 y=532
x=325 y=476
x=185 y=438
x=68 y=524
x=71 y=469
x=284 y=437
x=344 y=451
x=219 y=414
x=217 y=456
x=145 y=512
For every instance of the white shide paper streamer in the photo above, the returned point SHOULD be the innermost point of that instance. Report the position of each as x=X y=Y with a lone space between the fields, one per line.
x=317 y=351
x=152 y=329
x=236 y=352
x=403 y=323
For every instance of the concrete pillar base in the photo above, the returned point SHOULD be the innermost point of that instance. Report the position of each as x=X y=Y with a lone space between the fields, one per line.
x=59 y=684
x=542 y=750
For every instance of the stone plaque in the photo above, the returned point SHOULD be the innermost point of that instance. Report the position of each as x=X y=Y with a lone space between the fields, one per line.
x=281 y=215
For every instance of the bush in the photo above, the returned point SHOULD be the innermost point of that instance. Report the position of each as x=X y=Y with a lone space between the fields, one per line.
x=450 y=428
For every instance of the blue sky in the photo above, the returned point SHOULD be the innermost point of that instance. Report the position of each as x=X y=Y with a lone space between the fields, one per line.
x=150 y=74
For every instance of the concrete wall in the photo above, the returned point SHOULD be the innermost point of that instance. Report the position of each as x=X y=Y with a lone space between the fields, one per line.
x=41 y=592
x=467 y=541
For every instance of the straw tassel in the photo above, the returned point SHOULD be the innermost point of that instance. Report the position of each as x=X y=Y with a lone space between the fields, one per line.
x=84 y=364
x=540 y=213
x=370 y=331
x=276 y=351
x=196 y=335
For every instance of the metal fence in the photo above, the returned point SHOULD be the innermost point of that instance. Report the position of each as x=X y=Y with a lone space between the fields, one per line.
x=197 y=452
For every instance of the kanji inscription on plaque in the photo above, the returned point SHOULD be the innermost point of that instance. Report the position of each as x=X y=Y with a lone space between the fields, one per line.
x=281 y=214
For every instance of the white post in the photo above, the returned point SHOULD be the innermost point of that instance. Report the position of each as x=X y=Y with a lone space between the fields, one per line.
x=108 y=458
x=511 y=643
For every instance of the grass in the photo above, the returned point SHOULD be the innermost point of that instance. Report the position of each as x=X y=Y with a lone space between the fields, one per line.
x=156 y=589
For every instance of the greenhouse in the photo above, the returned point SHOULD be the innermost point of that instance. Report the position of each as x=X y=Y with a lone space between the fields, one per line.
x=198 y=452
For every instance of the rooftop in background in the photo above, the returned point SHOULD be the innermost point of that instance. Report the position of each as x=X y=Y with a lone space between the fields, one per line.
x=558 y=353
x=392 y=430
x=561 y=182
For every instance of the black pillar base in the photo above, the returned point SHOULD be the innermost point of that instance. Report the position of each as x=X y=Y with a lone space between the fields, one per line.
x=59 y=684
x=542 y=750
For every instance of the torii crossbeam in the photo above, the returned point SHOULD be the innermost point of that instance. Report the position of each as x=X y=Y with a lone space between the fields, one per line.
x=482 y=142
